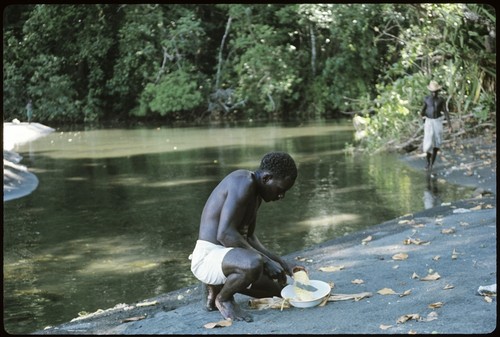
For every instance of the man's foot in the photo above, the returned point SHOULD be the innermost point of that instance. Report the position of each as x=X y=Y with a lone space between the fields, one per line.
x=211 y=292
x=230 y=310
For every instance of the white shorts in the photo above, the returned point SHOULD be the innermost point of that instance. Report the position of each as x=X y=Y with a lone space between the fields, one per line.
x=433 y=134
x=206 y=262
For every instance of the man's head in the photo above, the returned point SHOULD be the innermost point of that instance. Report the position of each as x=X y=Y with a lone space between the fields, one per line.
x=277 y=174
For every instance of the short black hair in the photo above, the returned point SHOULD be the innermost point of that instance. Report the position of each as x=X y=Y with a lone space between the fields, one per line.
x=280 y=164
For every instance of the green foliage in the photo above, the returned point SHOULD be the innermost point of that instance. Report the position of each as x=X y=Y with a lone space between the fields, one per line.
x=96 y=62
x=444 y=43
x=177 y=92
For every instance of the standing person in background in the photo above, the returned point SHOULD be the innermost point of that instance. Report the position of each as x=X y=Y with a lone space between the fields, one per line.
x=29 y=111
x=432 y=112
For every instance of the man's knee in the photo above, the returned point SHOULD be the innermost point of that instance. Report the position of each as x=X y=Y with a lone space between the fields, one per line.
x=244 y=261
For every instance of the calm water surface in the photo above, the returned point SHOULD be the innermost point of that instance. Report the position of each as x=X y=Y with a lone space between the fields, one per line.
x=116 y=212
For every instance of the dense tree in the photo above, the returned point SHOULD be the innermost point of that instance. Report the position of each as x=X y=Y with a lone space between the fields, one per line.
x=450 y=43
x=102 y=62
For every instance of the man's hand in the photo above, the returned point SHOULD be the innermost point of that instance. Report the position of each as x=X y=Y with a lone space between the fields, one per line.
x=274 y=270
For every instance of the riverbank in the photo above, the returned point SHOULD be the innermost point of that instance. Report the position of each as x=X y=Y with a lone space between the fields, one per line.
x=434 y=262
x=18 y=181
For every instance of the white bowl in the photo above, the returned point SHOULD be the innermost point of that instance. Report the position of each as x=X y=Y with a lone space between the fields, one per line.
x=323 y=289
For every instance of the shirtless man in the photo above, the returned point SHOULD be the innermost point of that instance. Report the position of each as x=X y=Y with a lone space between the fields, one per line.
x=432 y=111
x=228 y=257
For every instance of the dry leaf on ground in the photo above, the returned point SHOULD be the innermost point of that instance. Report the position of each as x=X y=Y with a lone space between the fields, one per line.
x=324 y=301
x=448 y=286
x=219 y=324
x=331 y=268
x=430 y=317
x=415 y=242
x=366 y=240
x=435 y=305
x=146 y=304
x=133 y=319
x=488 y=299
x=357 y=281
x=345 y=297
x=405 y=293
x=448 y=230
x=385 y=327
x=268 y=303
x=408 y=317
x=386 y=291
x=400 y=256
x=431 y=277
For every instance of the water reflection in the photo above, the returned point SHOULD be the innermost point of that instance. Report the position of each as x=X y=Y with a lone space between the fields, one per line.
x=117 y=211
x=431 y=196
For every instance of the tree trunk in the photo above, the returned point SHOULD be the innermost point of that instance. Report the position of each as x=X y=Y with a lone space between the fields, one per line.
x=219 y=65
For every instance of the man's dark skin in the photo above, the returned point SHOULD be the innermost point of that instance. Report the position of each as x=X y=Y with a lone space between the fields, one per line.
x=433 y=107
x=229 y=219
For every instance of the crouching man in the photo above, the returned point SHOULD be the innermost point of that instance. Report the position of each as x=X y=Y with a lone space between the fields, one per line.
x=228 y=257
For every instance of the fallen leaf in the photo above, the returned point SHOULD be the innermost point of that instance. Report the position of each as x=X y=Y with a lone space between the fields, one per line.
x=435 y=305
x=400 y=256
x=414 y=275
x=412 y=332
x=146 y=304
x=268 y=303
x=431 y=277
x=463 y=223
x=357 y=281
x=437 y=257
x=407 y=317
x=488 y=299
x=415 y=242
x=488 y=206
x=448 y=230
x=448 y=286
x=405 y=293
x=324 y=301
x=430 y=317
x=477 y=208
x=454 y=254
x=133 y=319
x=331 y=268
x=386 y=291
x=406 y=222
x=385 y=327
x=219 y=324
x=345 y=297
x=366 y=240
